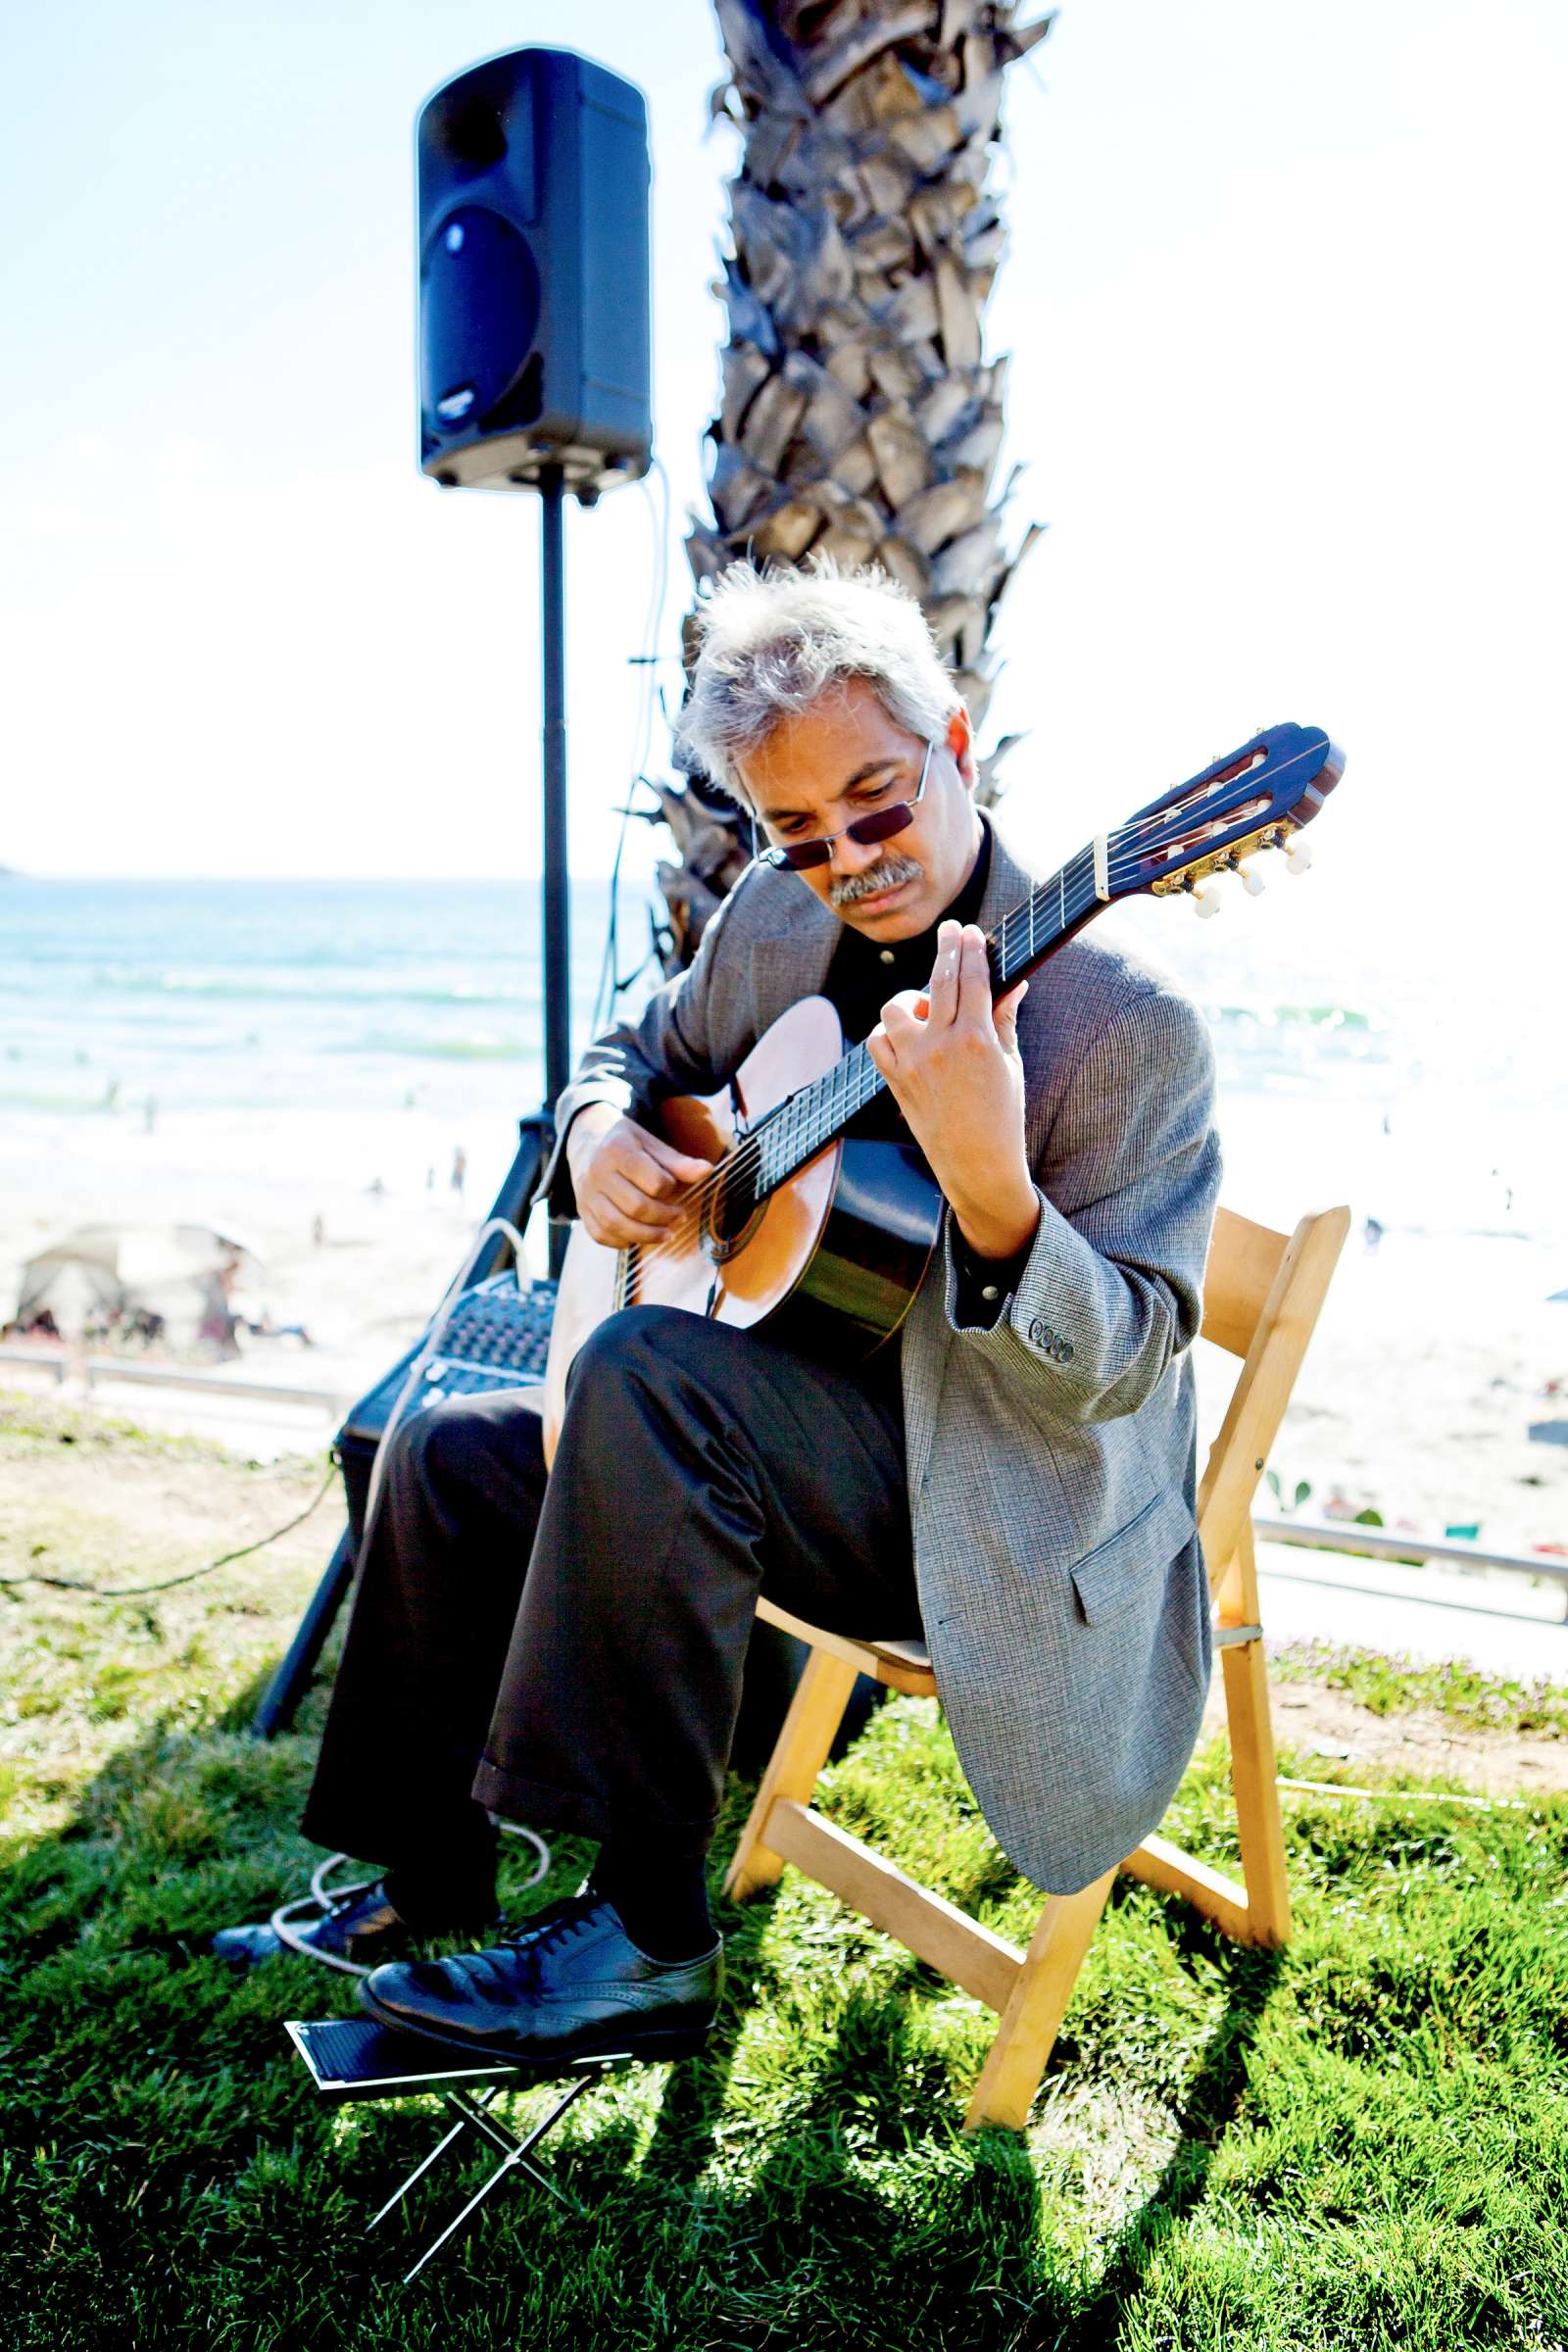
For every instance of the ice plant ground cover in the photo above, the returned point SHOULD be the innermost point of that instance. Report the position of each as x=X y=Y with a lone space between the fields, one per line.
x=1359 y=2140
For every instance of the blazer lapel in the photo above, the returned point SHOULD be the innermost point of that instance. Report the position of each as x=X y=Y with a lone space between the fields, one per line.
x=1008 y=884
x=791 y=959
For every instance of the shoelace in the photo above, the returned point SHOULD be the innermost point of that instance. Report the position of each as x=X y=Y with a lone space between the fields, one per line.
x=556 y=1923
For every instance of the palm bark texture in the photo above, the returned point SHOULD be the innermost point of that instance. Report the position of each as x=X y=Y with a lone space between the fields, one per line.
x=859 y=416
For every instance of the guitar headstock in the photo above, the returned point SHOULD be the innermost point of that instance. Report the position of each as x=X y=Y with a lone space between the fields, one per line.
x=1256 y=798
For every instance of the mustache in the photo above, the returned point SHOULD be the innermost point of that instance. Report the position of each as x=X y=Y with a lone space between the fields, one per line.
x=846 y=888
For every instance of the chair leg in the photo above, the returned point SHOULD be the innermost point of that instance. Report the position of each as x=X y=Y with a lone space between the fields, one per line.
x=1258 y=1800
x=1259 y=1828
x=820 y=1698
x=1018 y=2056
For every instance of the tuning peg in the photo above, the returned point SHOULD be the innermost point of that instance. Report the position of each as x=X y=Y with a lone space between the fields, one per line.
x=1299 y=858
x=1251 y=880
x=1208 y=899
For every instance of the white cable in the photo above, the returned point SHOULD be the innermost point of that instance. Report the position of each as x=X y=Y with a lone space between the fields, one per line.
x=515 y=1829
x=1405 y=1796
x=328 y=1899
x=292 y=1939
x=338 y=1894
x=648 y=699
x=432 y=1342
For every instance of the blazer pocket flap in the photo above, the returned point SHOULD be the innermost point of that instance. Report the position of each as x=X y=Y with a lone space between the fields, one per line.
x=1111 y=1576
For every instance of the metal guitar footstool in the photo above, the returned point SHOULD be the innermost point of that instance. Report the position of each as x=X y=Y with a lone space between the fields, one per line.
x=354 y=2058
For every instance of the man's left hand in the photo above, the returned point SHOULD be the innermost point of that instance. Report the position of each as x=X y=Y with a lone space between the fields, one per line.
x=951 y=1060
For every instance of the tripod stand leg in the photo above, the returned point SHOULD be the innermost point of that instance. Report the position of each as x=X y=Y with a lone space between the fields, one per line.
x=289 y=1684
x=365 y=1425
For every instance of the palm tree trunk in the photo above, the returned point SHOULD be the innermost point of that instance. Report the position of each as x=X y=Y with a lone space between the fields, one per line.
x=859 y=414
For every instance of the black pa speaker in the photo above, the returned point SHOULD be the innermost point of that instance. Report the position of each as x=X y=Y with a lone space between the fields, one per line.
x=533 y=275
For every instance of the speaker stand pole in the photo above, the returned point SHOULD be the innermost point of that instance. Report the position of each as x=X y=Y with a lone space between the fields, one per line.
x=557 y=873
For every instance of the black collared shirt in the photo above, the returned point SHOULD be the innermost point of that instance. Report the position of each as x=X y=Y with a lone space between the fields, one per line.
x=863 y=975
x=860 y=979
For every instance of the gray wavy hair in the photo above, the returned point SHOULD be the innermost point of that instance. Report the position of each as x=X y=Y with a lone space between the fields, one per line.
x=771 y=642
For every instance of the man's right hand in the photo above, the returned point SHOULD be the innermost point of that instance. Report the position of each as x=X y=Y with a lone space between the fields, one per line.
x=628 y=1182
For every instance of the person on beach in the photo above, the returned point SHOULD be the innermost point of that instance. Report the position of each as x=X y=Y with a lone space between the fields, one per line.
x=1012 y=1479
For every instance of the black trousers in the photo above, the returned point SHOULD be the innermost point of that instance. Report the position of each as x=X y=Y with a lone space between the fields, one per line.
x=567 y=1651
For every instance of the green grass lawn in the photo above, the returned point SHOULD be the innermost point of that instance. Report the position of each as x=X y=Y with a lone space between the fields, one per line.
x=1362 y=2141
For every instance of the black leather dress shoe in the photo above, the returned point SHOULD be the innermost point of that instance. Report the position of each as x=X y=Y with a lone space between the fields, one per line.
x=362 y=1929
x=570 y=1984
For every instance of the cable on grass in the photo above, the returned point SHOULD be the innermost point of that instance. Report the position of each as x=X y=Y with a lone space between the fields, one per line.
x=77 y=1584
x=1404 y=1796
x=328 y=1899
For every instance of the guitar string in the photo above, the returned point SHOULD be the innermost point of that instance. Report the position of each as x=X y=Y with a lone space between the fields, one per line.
x=826 y=1115
x=847 y=1088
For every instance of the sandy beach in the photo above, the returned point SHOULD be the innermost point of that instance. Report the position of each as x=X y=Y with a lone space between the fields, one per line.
x=390 y=1240
x=1437 y=1356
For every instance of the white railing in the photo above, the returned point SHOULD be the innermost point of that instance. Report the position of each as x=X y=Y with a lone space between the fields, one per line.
x=159 y=1376
x=1395 y=1543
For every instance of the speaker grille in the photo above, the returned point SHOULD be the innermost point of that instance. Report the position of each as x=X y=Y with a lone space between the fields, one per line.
x=479 y=317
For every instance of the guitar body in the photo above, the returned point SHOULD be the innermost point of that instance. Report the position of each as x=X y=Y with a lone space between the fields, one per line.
x=827 y=1240
x=830 y=1259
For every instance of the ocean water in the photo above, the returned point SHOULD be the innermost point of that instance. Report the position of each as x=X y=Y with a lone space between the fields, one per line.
x=187 y=1000
x=280 y=996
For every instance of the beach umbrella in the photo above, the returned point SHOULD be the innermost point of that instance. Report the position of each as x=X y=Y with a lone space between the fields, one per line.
x=116 y=1268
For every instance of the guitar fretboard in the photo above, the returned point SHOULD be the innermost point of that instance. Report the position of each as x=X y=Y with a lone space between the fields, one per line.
x=820 y=1113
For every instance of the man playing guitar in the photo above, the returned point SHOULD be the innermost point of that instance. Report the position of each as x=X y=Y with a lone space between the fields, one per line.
x=1009 y=1475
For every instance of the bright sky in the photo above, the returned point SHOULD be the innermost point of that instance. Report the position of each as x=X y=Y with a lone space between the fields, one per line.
x=1284 y=300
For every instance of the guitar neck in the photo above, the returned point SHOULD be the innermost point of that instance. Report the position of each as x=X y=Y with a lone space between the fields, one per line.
x=819 y=1113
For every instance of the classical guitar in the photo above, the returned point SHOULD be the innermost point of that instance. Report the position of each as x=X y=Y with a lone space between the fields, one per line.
x=827 y=1237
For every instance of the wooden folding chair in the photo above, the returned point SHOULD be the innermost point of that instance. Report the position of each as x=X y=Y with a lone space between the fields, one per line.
x=1262 y=1294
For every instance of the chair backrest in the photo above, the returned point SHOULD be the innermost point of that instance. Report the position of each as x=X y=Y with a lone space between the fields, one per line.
x=1262 y=1294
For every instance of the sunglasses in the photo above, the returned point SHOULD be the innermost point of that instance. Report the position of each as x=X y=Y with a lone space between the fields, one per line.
x=879 y=824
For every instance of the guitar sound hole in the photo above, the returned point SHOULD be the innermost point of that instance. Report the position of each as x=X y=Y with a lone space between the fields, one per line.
x=733 y=1214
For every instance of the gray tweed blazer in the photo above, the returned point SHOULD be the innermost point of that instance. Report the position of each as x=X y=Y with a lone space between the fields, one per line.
x=1051 y=1457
